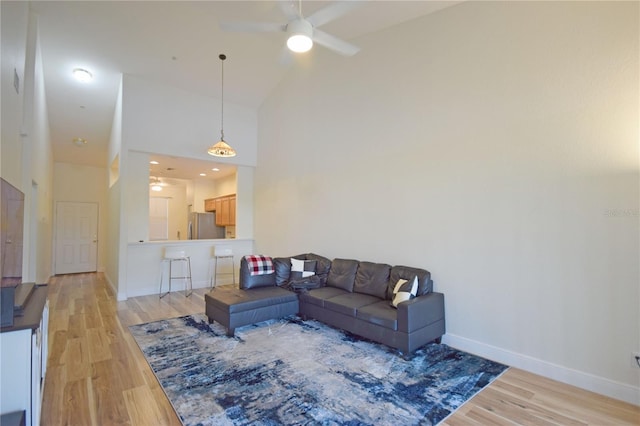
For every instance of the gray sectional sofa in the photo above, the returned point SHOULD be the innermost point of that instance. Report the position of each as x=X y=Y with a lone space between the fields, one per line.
x=348 y=294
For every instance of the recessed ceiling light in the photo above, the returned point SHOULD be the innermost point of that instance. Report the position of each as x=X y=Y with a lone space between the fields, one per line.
x=153 y=162
x=203 y=174
x=79 y=141
x=215 y=169
x=82 y=75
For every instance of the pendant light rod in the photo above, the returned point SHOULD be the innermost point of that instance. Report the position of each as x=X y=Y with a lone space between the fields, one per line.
x=222 y=57
x=222 y=149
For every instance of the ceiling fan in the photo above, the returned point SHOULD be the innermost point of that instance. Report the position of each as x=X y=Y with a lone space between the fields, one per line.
x=303 y=31
x=156 y=184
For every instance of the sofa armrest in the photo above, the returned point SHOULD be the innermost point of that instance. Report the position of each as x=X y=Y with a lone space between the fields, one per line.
x=248 y=281
x=420 y=312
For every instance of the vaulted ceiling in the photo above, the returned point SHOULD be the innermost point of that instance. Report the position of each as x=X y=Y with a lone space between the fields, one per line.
x=174 y=43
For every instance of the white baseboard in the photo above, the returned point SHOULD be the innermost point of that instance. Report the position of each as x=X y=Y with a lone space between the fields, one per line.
x=150 y=290
x=119 y=296
x=590 y=382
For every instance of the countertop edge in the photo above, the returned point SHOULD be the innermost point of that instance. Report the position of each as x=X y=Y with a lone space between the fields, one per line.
x=32 y=311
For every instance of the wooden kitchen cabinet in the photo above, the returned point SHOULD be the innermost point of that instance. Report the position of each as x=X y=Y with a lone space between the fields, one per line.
x=225 y=208
x=210 y=205
x=219 y=220
x=232 y=210
x=222 y=215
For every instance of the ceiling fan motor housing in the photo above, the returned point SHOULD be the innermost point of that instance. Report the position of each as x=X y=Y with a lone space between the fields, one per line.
x=300 y=35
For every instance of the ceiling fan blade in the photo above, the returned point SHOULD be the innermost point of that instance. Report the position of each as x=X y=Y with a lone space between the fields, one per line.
x=252 y=27
x=331 y=12
x=334 y=43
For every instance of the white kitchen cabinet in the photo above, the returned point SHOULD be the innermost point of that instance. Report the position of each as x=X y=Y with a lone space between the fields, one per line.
x=23 y=359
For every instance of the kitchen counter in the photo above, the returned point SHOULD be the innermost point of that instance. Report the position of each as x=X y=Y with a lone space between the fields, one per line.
x=144 y=264
x=189 y=242
x=32 y=315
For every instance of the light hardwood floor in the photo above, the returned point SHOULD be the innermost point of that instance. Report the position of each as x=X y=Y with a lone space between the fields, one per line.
x=97 y=375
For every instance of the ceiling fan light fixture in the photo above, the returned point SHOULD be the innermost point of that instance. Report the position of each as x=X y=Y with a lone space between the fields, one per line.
x=299 y=43
x=155 y=184
x=222 y=149
x=80 y=142
x=300 y=33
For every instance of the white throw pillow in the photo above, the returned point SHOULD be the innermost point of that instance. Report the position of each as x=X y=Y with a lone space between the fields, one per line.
x=404 y=290
x=302 y=268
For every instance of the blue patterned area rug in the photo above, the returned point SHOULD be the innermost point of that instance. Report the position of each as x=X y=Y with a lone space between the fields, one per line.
x=290 y=372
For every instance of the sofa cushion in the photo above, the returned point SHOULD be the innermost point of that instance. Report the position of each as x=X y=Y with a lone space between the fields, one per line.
x=323 y=265
x=425 y=285
x=342 y=274
x=282 y=266
x=404 y=290
x=233 y=300
x=302 y=268
x=319 y=295
x=372 y=278
x=349 y=303
x=379 y=313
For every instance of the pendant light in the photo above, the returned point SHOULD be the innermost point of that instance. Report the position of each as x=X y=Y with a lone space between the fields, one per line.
x=222 y=149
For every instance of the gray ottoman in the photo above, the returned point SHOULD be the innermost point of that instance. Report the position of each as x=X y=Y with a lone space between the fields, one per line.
x=233 y=307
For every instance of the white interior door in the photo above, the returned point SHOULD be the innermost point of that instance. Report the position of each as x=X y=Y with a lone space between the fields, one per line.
x=76 y=237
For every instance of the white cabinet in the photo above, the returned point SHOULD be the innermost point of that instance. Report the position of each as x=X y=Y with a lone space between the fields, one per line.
x=23 y=359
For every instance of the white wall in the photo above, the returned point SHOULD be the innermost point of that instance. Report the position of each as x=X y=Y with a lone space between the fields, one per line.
x=26 y=158
x=167 y=121
x=226 y=186
x=115 y=240
x=495 y=144
x=15 y=17
x=137 y=193
x=85 y=184
x=204 y=189
x=201 y=189
x=37 y=165
x=244 y=203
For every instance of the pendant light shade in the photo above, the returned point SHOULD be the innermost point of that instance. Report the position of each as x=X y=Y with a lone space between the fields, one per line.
x=222 y=149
